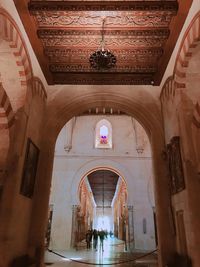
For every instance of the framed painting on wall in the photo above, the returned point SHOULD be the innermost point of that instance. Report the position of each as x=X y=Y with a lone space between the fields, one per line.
x=30 y=169
x=175 y=165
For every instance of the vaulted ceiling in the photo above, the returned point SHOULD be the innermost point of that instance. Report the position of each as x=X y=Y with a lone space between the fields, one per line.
x=141 y=34
x=103 y=185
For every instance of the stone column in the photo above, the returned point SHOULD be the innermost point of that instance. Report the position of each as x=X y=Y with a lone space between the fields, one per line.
x=139 y=139
x=11 y=180
x=74 y=232
x=131 y=237
x=192 y=183
x=166 y=237
x=69 y=133
x=39 y=214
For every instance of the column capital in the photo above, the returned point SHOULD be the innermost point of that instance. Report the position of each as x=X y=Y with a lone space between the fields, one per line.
x=154 y=208
x=130 y=207
x=75 y=207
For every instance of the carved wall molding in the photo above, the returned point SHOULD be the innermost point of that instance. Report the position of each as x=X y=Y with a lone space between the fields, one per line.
x=126 y=20
x=107 y=78
x=94 y=41
x=139 y=34
x=122 y=59
x=62 y=51
x=103 y=5
x=86 y=68
x=59 y=33
x=141 y=55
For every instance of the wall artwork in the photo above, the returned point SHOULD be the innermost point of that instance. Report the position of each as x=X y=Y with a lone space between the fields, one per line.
x=175 y=165
x=30 y=169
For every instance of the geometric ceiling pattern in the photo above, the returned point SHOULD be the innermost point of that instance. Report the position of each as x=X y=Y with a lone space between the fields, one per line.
x=103 y=185
x=138 y=33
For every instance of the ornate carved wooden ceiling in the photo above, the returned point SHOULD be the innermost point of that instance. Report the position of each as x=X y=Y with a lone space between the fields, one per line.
x=103 y=184
x=138 y=33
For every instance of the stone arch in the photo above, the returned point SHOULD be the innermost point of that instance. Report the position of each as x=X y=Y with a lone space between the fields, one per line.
x=7 y=119
x=68 y=107
x=180 y=98
x=38 y=88
x=94 y=165
x=181 y=86
x=186 y=52
x=189 y=42
x=7 y=109
x=19 y=79
x=65 y=104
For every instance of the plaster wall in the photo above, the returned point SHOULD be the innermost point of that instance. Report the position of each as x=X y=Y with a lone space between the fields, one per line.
x=83 y=155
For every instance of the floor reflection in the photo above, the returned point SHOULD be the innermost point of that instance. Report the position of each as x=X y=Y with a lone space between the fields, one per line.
x=113 y=254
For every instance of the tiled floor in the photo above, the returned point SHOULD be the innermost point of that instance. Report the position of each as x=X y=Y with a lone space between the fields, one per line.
x=113 y=255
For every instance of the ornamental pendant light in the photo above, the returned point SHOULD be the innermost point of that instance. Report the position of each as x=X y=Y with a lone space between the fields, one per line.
x=102 y=59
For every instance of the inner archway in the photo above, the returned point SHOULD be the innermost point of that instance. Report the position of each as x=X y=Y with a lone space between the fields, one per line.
x=103 y=205
x=61 y=109
x=79 y=165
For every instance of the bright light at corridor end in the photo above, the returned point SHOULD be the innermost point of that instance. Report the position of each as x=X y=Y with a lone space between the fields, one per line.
x=104 y=223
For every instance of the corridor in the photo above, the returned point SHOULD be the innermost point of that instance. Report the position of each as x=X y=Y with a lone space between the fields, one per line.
x=114 y=254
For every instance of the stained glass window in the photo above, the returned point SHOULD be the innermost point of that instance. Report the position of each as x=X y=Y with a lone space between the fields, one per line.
x=103 y=134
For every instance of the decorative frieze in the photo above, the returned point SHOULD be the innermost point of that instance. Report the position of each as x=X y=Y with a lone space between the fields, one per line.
x=171 y=6
x=107 y=78
x=86 y=68
x=94 y=41
x=136 y=32
x=89 y=19
x=59 y=33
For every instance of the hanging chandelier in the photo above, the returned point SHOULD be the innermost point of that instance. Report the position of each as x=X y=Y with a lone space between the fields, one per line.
x=102 y=58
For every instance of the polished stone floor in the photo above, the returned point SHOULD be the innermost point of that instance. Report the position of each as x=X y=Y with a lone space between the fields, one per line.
x=113 y=254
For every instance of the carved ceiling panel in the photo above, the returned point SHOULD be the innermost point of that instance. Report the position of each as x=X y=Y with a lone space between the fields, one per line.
x=66 y=33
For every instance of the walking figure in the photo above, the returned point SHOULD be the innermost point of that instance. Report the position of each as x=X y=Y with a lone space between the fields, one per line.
x=88 y=238
x=101 y=237
x=95 y=239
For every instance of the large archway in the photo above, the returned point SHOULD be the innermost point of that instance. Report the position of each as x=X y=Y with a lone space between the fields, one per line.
x=106 y=192
x=69 y=101
x=14 y=82
x=62 y=108
x=180 y=104
x=71 y=215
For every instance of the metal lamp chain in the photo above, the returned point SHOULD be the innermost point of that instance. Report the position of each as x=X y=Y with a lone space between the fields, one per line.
x=102 y=59
x=102 y=35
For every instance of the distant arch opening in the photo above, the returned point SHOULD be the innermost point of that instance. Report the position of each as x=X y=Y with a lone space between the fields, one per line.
x=91 y=192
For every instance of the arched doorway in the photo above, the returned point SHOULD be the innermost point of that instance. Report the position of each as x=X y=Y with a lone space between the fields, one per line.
x=134 y=106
